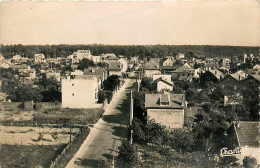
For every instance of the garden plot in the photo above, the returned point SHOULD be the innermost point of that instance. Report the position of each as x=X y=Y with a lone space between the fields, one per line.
x=35 y=135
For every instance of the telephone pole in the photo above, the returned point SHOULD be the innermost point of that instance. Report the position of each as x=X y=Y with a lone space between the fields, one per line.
x=131 y=117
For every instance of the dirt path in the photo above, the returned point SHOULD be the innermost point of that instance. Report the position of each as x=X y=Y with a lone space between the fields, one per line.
x=106 y=135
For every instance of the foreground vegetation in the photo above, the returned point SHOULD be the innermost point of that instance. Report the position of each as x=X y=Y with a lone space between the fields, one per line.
x=28 y=156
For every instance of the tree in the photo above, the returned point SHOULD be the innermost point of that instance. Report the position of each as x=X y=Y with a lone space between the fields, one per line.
x=127 y=154
x=229 y=161
x=85 y=63
x=50 y=89
x=27 y=93
x=111 y=83
x=249 y=162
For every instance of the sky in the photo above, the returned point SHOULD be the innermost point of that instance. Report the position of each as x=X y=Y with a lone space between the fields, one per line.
x=222 y=22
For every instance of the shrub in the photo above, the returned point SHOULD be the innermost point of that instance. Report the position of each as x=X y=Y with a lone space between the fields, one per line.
x=127 y=154
x=249 y=162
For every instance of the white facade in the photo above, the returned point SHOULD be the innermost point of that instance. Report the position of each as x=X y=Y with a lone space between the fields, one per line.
x=97 y=59
x=164 y=77
x=79 y=93
x=119 y=73
x=150 y=72
x=180 y=56
x=171 y=118
x=39 y=58
x=164 y=86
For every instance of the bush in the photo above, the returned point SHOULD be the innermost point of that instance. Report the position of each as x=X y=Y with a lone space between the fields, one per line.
x=228 y=161
x=249 y=162
x=127 y=155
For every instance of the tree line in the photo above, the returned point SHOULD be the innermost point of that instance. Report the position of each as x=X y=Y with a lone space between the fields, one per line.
x=63 y=50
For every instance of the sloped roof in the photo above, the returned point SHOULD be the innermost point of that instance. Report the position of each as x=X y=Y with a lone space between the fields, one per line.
x=153 y=100
x=218 y=74
x=256 y=77
x=116 y=66
x=239 y=75
x=22 y=66
x=160 y=79
x=94 y=71
x=248 y=133
x=152 y=65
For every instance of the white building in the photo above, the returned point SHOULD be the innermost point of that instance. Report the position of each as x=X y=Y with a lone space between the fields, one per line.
x=180 y=56
x=80 y=92
x=79 y=55
x=39 y=58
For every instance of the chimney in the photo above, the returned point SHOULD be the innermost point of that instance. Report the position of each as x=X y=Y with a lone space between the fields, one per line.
x=239 y=78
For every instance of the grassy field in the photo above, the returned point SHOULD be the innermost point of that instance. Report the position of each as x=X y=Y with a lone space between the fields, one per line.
x=51 y=116
x=24 y=156
x=65 y=116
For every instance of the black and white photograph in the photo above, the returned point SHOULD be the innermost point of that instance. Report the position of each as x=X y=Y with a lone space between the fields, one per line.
x=129 y=84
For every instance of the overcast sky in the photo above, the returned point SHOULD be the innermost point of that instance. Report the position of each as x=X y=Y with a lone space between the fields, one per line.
x=197 y=23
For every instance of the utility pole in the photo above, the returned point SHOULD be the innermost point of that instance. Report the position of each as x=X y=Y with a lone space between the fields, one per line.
x=131 y=117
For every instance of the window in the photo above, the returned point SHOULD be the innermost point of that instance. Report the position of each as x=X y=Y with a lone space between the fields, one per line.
x=72 y=94
x=72 y=84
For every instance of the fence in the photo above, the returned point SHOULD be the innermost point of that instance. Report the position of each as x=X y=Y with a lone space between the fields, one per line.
x=53 y=163
x=36 y=124
x=29 y=105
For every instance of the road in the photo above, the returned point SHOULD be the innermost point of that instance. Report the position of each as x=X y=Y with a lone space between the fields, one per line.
x=106 y=135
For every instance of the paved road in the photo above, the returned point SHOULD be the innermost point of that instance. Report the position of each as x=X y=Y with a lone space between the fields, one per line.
x=106 y=135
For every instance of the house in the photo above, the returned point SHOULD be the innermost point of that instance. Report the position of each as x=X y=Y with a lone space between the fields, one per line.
x=210 y=64
x=211 y=76
x=101 y=72
x=256 y=67
x=169 y=69
x=80 y=91
x=155 y=60
x=163 y=76
x=115 y=68
x=110 y=57
x=97 y=59
x=180 y=56
x=168 y=61
x=54 y=74
x=248 y=138
x=16 y=57
x=233 y=81
x=6 y=64
x=151 y=68
x=247 y=57
x=226 y=63
x=77 y=72
x=80 y=55
x=166 y=109
x=38 y=58
x=27 y=74
x=184 y=73
x=163 y=85
x=252 y=82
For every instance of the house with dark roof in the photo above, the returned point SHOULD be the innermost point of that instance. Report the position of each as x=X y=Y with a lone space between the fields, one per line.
x=97 y=71
x=115 y=68
x=234 y=81
x=252 y=82
x=166 y=109
x=151 y=68
x=211 y=76
x=248 y=138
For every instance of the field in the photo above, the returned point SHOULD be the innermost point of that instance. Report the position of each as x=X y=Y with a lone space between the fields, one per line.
x=51 y=116
x=24 y=156
x=36 y=146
